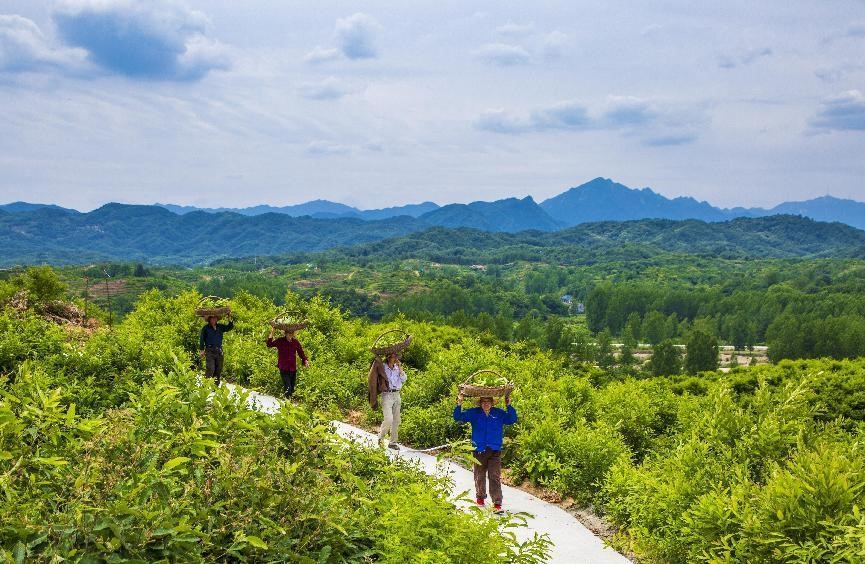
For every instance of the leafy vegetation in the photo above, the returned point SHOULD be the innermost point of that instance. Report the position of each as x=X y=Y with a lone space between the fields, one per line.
x=763 y=463
x=111 y=449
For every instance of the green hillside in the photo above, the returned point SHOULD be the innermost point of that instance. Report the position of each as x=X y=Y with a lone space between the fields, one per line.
x=109 y=448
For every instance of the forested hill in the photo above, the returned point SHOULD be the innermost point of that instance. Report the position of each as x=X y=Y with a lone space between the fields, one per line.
x=766 y=237
x=155 y=235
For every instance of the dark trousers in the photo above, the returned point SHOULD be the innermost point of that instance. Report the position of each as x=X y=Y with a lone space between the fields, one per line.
x=490 y=464
x=289 y=379
x=213 y=363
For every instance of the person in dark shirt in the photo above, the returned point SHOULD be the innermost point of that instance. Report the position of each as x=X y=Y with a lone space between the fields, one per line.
x=288 y=348
x=210 y=343
x=488 y=424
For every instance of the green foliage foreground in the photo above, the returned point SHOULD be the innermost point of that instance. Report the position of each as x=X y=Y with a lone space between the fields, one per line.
x=112 y=450
x=764 y=464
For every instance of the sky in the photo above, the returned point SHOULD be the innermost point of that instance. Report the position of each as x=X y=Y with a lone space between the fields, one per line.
x=221 y=103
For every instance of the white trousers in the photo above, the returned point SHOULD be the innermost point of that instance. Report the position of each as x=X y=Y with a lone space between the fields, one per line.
x=390 y=406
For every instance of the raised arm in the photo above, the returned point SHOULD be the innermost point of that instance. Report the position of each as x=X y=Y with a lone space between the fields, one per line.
x=459 y=414
x=510 y=415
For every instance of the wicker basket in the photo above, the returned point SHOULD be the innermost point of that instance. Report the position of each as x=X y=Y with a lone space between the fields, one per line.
x=288 y=321
x=385 y=350
x=215 y=309
x=477 y=391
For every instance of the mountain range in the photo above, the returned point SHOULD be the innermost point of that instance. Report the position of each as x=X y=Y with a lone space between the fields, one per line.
x=600 y=199
x=152 y=234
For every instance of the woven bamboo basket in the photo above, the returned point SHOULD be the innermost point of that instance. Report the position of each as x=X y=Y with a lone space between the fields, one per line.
x=386 y=349
x=289 y=321
x=479 y=391
x=214 y=308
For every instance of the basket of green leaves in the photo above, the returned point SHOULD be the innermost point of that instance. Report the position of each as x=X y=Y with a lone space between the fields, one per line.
x=289 y=321
x=212 y=306
x=486 y=384
x=393 y=341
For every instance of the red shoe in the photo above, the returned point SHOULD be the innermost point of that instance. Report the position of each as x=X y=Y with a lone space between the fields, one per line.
x=481 y=502
x=497 y=508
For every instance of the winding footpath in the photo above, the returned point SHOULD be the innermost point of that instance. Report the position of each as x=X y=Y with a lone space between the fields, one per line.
x=573 y=543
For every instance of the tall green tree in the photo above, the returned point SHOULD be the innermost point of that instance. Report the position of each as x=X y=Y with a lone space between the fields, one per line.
x=596 y=307
x=654 y=328
x=702 y=352
x=666 y=359
x=634 y=325
x=606 y=359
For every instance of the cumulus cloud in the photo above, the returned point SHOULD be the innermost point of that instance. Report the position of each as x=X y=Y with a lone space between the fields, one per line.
x=321 y=55
x=633 y=116
x=331 y=88
x=623 y=111
x=356 y=36
x=160 y=40
x=23 y=47
x=514 y=30
x=743 y=59
x=569 y=114
x=553 y=44
x=503 y=54
x=844 y=112
x=323 y=149
x=522 y=44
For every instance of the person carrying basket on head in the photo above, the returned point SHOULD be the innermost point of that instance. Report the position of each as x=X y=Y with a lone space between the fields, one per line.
x=488 y=424
x=210 y=343
x=386 y=380
x=391 y=400
x=288 y=348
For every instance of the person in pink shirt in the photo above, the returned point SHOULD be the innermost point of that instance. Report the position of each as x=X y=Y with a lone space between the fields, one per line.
x=288 y=348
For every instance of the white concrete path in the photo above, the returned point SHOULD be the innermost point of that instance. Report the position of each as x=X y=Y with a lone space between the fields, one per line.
x=572 y=542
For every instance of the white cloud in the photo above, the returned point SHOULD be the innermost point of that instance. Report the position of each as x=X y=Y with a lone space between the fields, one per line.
x=356 y=36
x=321 y=55
x=844 y=112
x=522 y=44
x=513 y=30
x=160 y=40
x=553 y=44
x=569 y=114
x=631 y=115
x=503 y=54
x=23 y=47
x=624 y=111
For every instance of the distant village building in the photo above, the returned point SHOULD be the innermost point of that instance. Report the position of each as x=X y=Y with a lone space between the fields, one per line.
x=567 y=299
x=580 y=307
x=480 y=267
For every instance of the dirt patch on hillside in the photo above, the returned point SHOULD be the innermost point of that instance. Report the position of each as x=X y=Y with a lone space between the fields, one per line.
x=104 y=289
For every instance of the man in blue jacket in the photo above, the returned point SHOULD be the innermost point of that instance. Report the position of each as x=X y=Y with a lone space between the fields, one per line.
x=488 y=430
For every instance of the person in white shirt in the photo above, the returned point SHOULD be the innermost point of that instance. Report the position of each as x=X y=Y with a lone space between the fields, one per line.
x=390 y=400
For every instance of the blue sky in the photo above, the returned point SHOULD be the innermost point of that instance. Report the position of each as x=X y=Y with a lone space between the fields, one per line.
x=225 y=103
